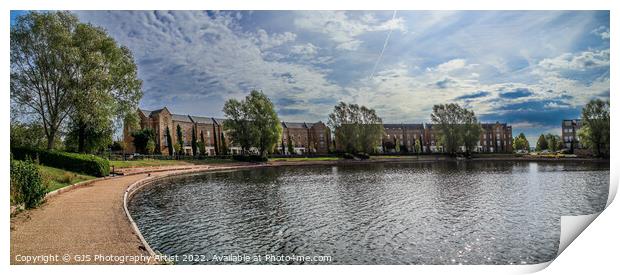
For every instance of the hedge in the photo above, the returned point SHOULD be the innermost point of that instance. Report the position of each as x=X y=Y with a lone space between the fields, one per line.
x=79 y=163
x=26 y=184
x=250 y=158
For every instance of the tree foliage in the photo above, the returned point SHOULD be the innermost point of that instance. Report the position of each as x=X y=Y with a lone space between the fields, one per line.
x=169 y=142
x=253 y=122
x=62 y=70
x=520 y=142
x=357 y=128
x=179 y=151
x=542 y=143
x=141 y=139
x=595 y=132
x=456 y=127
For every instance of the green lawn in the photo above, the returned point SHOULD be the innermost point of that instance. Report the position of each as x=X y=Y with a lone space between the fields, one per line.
x=304 y=159
x=163 y=162
x=57 y=178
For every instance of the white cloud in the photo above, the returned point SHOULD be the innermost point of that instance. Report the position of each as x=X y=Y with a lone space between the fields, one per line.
x=580 y=61
x=343 y=29
x=602 y=31
x=267 y=41
x=306 y=50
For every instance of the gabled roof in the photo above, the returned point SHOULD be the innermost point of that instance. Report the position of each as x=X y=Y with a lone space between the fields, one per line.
x=201 y=119
x=218 y=121
x=184 y=118
x=295 y=125
x=148 y=113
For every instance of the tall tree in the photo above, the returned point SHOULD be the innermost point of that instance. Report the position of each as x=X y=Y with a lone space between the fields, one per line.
x=541 y=144
x=180 y=140
x=457 y=127
x=194 y=142
x=61 y=68
x=356 y=128
x=41 y=57
x=418 y=147
x=224 y=145
x=520 y=142
x=169 y=142
x=264 y=122
x=237 y=124
x=141 y=139
x=595 y=131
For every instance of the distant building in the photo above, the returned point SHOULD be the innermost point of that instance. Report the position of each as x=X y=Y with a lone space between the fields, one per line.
x=495 y=138
x=305 y=137
x=569 y=133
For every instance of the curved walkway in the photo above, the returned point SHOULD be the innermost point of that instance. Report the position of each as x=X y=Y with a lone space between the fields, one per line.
x=87 y=221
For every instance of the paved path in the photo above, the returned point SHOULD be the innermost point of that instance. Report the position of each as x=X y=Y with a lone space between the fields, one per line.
x=88 y=220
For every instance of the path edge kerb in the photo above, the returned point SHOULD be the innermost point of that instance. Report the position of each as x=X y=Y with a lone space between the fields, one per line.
x=136 y=186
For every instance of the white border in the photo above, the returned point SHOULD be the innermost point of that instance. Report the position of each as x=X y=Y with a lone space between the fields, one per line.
x=595 y=250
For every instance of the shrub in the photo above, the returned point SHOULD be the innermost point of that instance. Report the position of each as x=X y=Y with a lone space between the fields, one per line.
x=348 y=156
x=26 y=184
x=79 y=163
x=250 y=158
x=361 y=155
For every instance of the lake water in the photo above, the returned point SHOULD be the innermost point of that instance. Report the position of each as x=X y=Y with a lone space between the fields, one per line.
x=424 y=213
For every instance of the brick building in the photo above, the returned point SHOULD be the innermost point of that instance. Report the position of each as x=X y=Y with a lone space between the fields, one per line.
x=495 y=138
x=305 y=137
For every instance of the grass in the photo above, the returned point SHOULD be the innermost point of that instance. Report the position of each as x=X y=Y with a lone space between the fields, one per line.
x=304 y=159
x=163 y=162
x=56 y=178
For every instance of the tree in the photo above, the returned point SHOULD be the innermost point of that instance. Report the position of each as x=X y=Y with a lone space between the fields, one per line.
x=150 y=147
x=169 y=142
x=41 y=58
x=264 y=122
x=63 y=69
x=237 y=124
x=224 y=145
x=520 y=143
x=418 y=147
x=289 y=143
x=215 y=143
x=356 y=128
x=194 y=142
x=201 y=148
x=553 y=142
x=141 y=139
x=595 y=132
x=179 y=140
x=542 y=143
x=456 y=127
x=253 y=122
x=27 y=135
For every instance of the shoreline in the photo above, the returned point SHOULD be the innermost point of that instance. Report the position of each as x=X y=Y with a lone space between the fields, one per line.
x=88 y=219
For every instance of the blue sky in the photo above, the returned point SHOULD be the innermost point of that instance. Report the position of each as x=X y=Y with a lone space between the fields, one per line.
x=528 y=68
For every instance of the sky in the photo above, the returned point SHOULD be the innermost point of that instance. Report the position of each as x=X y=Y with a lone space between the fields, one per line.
x=531 y=69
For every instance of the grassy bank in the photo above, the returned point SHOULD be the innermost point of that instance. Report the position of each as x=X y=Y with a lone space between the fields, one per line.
x=56 y=178
x=163 y=162
x=304 y=159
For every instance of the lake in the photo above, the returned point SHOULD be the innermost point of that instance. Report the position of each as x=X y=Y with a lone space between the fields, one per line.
x=473 y=212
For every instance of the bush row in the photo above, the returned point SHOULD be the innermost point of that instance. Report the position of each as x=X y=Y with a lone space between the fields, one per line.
x=250 y=158
x=26 y=184
x=79 y=163
x=359 y=155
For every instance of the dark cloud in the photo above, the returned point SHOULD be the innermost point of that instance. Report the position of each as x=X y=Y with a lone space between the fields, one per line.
x=473 y=95
x=446 y=83
x=516 y=93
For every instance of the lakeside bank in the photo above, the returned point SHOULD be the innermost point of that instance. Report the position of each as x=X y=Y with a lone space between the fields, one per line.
x=92 y=219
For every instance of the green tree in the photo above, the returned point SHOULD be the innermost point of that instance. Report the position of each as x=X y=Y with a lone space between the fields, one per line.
x=141 y=139
x=194 y=142
x=150 y=147
x=553 y=142
x=356 y=128
x=180 y=140
x=237 y=124
x=456 y=126
x=27 y=135
x=63 y=69
x=418 y=147
x=264 y=122
x=253 y=122
x=595 y=132
x=520 y=143
x=541 y=144
x=169 y=142
x=41 y=58
x=224 y=145
x=289 y=143
x=201 y=148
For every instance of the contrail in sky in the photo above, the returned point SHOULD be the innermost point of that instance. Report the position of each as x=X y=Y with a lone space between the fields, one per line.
x=387 y=38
